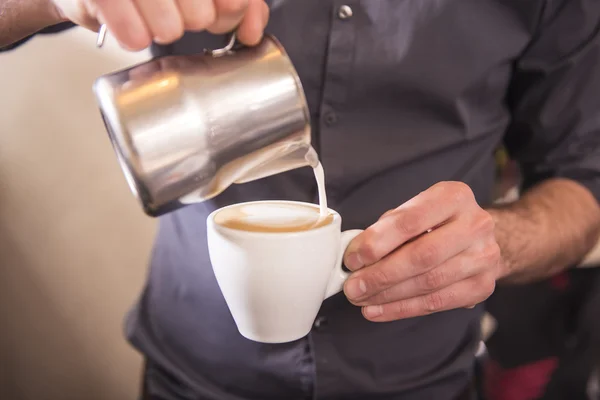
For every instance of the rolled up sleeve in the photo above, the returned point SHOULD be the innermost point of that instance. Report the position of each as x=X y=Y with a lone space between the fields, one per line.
x=50 y=29
x=555 y=98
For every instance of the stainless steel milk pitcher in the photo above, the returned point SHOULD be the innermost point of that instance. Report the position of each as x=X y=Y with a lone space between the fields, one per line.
x=184 y=128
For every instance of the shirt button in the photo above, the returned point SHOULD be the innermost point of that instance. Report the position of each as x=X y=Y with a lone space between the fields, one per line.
x=330 y=118
x=320 y=322
x=345 y=12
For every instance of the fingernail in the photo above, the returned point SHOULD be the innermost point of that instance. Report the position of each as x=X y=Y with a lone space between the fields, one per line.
x=373 y=311
x=353 y=261
x=355 y=288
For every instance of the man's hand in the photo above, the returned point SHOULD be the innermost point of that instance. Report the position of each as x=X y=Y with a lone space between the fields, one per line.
x=434 y=253
x=136 y=23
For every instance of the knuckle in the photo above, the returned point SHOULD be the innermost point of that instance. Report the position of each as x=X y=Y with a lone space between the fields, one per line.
x=424 y=254
x=380 y=278
x=195 y=24
x=409 y=223
x=385 y=296
x=368 y=251
x=86 y=10
x=135 y=40
x=170 y=31
x=172 y=34
x=266 y=16
x=433 y=302
x=97 y=4
x=138 y=42
x=386 y=214
x=484 y=223
x=487 y=285
x=232 y=6
x=460 y=192
x=441 y=186
x=197 y=21
x=399 y=308
x=491 y=254
x=432 y=280
x=490 y=288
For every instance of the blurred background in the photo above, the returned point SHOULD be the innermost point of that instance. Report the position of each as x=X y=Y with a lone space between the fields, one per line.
x=73 y=241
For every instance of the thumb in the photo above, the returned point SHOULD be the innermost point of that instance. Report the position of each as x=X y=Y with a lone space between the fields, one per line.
x=80 y=12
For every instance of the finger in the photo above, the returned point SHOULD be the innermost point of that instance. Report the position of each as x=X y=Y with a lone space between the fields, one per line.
x=253 y=24
x=462 y=294
x=88 y=22
x=427 y=210
x=197 y=14
x=387 y=213
x=125 y=23
x=463 y=266
x=229 y=15
x=162 y=18
x=88 y=17
x=411 y=260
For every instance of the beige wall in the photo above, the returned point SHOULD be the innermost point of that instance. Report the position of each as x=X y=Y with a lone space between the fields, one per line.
x=73 y=241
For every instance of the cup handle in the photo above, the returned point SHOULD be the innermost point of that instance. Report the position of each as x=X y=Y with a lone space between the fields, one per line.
x=338 y=275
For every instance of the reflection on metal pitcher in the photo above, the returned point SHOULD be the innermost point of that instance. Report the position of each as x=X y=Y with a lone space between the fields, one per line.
x=184 y=128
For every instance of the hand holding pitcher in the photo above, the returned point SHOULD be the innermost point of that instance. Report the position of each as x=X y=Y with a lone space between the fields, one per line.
x=136 y=23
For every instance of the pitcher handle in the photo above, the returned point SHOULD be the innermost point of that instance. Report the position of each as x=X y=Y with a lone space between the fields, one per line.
x=101 y=36
x=215 y=53
x=224 y=50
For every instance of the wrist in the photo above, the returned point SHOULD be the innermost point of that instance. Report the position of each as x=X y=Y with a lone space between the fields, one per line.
x=20 y=19
x=499 y=215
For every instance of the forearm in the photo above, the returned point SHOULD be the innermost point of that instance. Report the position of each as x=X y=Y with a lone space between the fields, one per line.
x=550 y=228
x=20 y=18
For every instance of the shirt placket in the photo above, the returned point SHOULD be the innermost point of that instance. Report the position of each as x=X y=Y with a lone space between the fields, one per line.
x=336 y=87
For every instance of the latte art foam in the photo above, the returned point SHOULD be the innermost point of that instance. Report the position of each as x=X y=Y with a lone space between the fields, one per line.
x=272 y=217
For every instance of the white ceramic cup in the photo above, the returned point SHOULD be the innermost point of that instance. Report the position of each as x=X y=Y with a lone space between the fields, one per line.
x=274 y=283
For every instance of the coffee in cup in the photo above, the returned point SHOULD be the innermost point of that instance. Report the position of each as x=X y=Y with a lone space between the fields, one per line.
x=272 y=217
